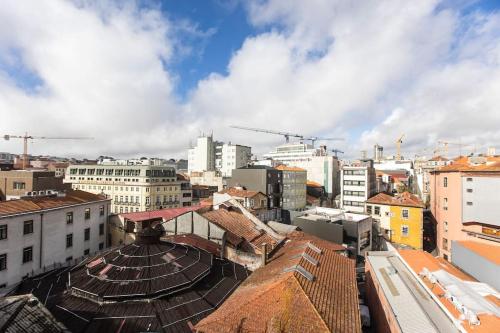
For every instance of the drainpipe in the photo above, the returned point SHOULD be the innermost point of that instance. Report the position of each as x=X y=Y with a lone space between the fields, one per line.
x=263 y=256
x=41 y=239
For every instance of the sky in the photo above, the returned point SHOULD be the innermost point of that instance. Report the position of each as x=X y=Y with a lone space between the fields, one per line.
x=145 y=78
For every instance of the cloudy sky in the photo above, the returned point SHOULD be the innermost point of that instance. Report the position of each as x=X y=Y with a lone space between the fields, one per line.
x=147 y=77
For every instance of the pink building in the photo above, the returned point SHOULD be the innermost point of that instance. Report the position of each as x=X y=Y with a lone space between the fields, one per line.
x=465 y=202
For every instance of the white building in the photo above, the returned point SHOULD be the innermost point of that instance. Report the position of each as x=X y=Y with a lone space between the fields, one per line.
x=321 y=168
x=38 y=232
x=210 y=155
x=132 y=188
x=358 y=183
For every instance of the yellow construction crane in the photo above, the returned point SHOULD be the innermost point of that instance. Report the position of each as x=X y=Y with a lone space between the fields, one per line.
x=399 y=141
x=25 y=138
x=446 y=144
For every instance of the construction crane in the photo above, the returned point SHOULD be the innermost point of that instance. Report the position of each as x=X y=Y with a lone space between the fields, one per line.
x=25 y=138
x=287 y=135
x=399 y=141
x=446 y=144
x=336 y=151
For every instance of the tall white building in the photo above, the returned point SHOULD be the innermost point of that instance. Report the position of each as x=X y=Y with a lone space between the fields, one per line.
x=358 y=183
x=132 y=188
x=321 y=167
x=209 y=155
x=38 y=232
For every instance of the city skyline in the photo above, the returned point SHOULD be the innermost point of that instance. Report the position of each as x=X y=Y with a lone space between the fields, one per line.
x=145 y=78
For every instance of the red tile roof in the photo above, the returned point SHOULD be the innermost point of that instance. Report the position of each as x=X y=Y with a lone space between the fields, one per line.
x=310 y=183
x=439 y=159
x=72 y=197
x=492 y=164
x=272 y=300
x=405 y=199
x=241 y=227
x=489 y=252
x=289 y=168
x=166 y=214
x=197 y=241
x=239 y=192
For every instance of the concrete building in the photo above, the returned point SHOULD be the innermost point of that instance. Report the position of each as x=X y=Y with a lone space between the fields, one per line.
x=207 y=178
x=202 y=156
x=464 y=202
x=320 y=167
x=131 y=187
x=38 y=232
x=294 y=187
x=411 y=291
x=17 y=183
x=210 y=155
x=261 y=179
x=398 y=219
x=338 y=226
x=423 y=169
x=358 y=183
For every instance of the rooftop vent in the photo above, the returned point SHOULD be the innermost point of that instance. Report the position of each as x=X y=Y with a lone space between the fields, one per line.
x=314 y=248
x=301 y=270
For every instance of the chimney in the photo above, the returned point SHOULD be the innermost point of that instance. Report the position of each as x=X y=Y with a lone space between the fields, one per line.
x=263 y=257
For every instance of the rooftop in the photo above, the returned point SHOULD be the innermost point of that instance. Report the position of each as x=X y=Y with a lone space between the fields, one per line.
x=473 y=164
x=289 y=168
x=305 y=287
x=405 y=199
x=165 y=214
x=489 y=252
x=239 y=192
x=161 y=287
x=332 y=214
x=33 y=204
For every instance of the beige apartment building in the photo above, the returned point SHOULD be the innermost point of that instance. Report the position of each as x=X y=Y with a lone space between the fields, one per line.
x=15 y=184
x=132 y=188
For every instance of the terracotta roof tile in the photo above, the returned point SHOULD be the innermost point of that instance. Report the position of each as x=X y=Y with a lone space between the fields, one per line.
x=26 y=205
x=273 y=300
x=238 y=192
x=405 y=199
x=197 y=241
x=166 y=214
x=289 y=168
x=310 y=183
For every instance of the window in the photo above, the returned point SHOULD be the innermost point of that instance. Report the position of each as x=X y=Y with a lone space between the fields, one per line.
x=445 y=244
x=69 y=218
x=101 y=229
x=87 y=213
x=469 y=190
x=469 y=203
x=369 y=209
x=28 y=227
x=3 y=231
x=377 y=210
x=445 y=226
x=19 y=185
x=469 y=179
x=101 y=210
x=405 y=230
x=69 y=240
x=405 y=213
x=445 y=203
x=87 y=234
x=3 y=262
x=69 y=258
x=101 y=246
x=86 y=252
x=27 y=254
x=445 y=182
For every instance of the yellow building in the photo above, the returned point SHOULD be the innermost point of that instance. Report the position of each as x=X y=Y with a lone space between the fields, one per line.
x=399 y=218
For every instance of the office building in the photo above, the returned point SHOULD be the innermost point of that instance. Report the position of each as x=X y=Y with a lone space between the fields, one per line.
x=132 y=188
x=464 y=202
x=294 y=187
x=358 y=183
x=321 y=168
x=17 y=183
x=39 y=232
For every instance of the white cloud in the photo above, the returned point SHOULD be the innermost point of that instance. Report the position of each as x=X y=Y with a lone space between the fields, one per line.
x=366 y=70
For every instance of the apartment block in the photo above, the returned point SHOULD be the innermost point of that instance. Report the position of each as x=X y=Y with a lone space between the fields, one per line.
x=358 y=183
x=294 y=187
x=132 y=188
x=464 y=202
x=40 y=231
x=232 y=157
x=202 y=156
x=17 y=183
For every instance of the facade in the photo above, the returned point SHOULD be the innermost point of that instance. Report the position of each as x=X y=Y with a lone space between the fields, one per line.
x=357 y=183
x=423 y=169
x=186 y=196
x=399 y=219
x=294 y=187
x=261 y=179
x=339 y=227
x=412 y=291
x=38 y=232
x=210 y=155
x=132 y=188
x=17 y=183
x=320 y=167
x=207 y=178
x=464 y=204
